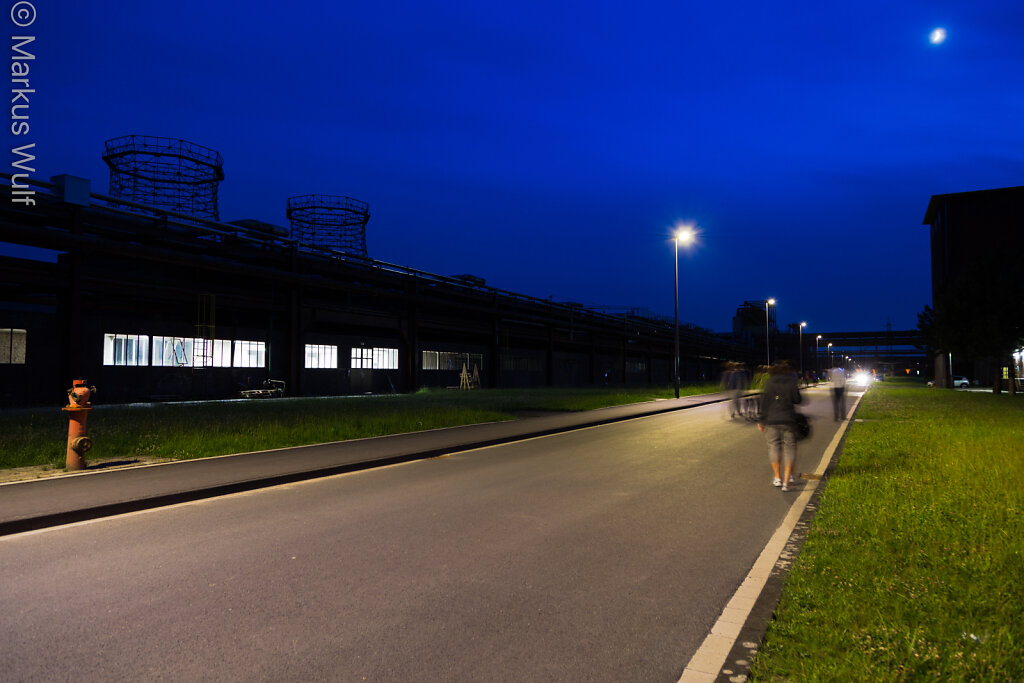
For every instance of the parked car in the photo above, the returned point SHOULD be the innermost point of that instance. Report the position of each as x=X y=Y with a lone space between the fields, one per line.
x=960 y=382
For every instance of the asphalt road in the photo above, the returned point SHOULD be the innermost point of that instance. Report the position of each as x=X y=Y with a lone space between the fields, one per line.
x=604 y=554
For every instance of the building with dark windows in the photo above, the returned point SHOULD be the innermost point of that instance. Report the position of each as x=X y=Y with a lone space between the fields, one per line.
x=977 y=257
x=148 y=303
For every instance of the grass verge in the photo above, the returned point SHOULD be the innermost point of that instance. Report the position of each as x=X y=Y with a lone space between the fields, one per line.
x=914 y=566
x=185 y=431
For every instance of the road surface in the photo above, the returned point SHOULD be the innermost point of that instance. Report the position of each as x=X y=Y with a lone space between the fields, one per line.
x=603 y=554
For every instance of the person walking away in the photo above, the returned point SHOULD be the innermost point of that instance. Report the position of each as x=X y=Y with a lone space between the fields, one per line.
x=838 y=378
x=735 y=382
x=778 y=421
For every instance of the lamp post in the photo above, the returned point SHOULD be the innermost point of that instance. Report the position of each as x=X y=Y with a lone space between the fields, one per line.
x=817 y=370
x=801 y=344
x=767 y=345
x=830 y=354
x=684 y=235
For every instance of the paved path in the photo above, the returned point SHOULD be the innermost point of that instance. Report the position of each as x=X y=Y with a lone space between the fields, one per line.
x=59 y=500
x=596 y=554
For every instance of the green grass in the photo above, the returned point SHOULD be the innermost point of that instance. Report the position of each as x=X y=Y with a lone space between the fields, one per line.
x=185 y=431
x=914 y=565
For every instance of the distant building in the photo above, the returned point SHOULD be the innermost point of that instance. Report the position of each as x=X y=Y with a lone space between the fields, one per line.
x=971 y=233
x=151 y=304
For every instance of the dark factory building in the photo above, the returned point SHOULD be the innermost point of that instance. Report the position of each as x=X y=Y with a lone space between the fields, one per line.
x=155 y=304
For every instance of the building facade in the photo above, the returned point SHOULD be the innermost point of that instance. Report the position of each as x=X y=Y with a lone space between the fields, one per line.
x=147 y=304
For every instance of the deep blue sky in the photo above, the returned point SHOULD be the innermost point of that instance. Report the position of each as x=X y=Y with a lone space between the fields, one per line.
x=550 y=146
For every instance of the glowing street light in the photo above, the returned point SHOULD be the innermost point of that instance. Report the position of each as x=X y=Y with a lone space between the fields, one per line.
x=801 y=344
x=685 y=236
x=830 y=354
x=816 y=370
x=767 y=346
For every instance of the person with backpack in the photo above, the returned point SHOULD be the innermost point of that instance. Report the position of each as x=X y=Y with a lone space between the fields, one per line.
x=779 y=421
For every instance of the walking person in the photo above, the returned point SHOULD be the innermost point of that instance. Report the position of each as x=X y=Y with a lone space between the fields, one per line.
x=778 y=421
x=735 y=382
x=838 y=378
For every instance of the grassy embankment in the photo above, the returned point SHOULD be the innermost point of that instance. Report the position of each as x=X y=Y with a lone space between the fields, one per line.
x=184 y=431
x=914 y=566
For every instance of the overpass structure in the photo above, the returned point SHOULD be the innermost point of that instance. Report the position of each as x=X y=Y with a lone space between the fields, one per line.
x=890 y=351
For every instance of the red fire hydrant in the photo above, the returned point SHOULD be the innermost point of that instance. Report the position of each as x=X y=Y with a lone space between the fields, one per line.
x=78 y=408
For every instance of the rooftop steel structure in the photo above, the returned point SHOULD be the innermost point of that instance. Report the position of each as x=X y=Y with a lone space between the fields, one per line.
x=166 y=173
x=330 y=222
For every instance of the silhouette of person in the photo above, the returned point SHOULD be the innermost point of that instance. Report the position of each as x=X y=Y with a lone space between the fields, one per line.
x=838 y=378
x=778 y=421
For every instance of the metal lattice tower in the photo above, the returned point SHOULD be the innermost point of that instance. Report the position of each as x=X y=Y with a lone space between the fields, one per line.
x=330 y=221
x=165 y=173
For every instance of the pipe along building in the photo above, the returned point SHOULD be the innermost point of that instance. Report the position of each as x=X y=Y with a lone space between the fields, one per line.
x=151 y=298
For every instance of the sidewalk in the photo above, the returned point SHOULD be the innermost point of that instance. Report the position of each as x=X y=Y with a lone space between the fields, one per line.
x=41 y=503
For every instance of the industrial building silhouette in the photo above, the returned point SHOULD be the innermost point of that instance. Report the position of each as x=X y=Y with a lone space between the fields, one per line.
x=153 y=298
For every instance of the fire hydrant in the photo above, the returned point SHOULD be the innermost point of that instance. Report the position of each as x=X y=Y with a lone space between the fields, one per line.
x=78 y=408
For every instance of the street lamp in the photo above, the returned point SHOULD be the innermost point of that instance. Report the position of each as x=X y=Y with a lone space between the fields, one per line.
x=801 y=344
x=816 y=370
x=685 y=235
x=830 y=354
x=767 y=346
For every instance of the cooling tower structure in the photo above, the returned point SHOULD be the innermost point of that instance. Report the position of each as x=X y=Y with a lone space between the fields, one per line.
x=165 y=173
x=330 y=222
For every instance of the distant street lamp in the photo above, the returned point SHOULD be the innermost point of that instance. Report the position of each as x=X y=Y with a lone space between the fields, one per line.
x=830 y=354
x=685 y=235
x=801 y=344
x=767 y=346
x=816 y=369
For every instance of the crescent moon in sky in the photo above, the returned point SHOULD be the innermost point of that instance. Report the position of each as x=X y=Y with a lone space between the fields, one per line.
x=938 y=36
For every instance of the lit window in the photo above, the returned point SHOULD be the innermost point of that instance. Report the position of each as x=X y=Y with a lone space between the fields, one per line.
x=451 y=360
x=12 y=346
x=125 y=349
x=376 y=358
x=362 y=358
x=321 y=356
x=191 y=352
x=172 y=351
x=211 y=353
x=385 y=359
x=250 y=354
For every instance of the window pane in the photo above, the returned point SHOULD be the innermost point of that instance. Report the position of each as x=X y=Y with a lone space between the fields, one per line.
x=12 y=346
x=249 y=354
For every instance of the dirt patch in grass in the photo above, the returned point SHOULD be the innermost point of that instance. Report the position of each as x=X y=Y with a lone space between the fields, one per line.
x=46 y=471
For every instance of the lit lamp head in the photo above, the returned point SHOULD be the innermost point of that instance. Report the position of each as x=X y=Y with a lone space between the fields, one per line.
x=685 y=235
x=802 y=325
x=771 y=302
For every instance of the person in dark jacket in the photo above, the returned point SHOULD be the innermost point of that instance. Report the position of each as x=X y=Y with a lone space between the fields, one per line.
x=778 y=421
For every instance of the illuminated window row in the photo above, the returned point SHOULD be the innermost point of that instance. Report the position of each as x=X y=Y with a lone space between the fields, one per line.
x=183 y=352
x=451 y=360
x=196 y=352
x=375 y=358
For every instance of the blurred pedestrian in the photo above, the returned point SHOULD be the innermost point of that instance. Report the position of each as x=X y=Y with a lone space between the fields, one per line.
x=838 y=378
x=734 y=381
x=778 y=421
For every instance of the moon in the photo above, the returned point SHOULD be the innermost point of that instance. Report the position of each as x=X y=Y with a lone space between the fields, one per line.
x=937 y=36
